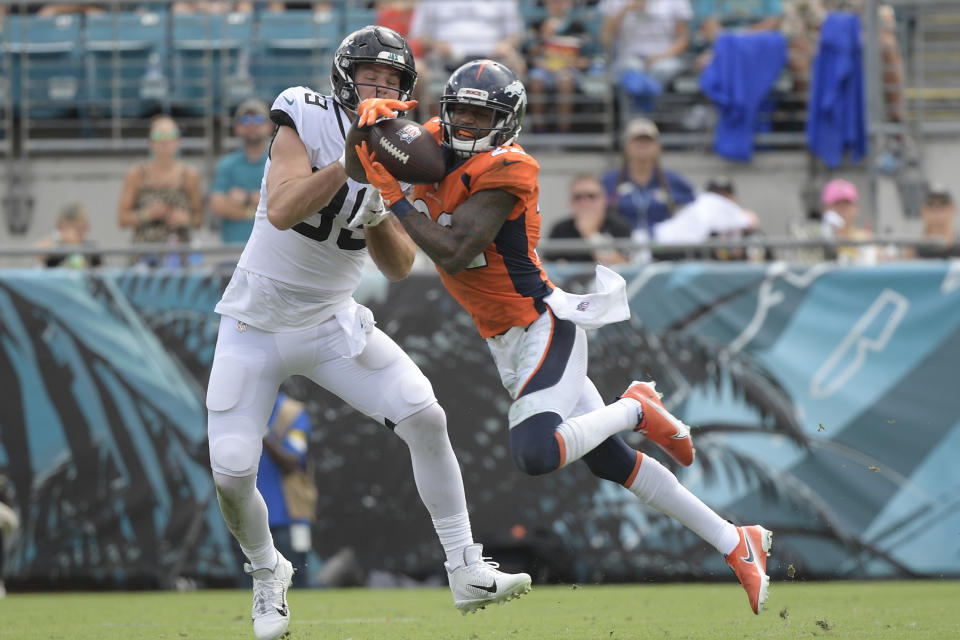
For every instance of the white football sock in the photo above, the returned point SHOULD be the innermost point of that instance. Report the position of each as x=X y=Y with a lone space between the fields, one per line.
x=455 y=536
x=438 y=479
x=245 y=514
x=583 y=433
x=659 y=488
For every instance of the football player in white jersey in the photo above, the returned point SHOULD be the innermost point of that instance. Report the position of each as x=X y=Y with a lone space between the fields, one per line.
x=288 y=310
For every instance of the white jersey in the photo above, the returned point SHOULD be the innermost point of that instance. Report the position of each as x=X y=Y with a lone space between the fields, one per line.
x=297 y=278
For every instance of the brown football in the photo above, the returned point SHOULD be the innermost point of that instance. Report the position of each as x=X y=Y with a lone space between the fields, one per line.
x=407 y=151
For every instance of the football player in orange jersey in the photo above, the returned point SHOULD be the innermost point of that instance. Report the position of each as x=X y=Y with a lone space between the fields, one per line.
x=481 y=225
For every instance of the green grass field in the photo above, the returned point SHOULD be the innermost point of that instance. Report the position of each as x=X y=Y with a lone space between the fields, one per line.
x=874 y=610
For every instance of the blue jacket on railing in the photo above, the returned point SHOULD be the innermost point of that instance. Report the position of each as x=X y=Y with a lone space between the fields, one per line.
x=836 y=122
x=738 y=79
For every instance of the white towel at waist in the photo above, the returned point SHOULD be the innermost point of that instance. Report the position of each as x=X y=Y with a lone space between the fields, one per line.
x=593 y=310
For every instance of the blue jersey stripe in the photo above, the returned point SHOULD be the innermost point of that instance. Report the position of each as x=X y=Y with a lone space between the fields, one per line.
x=555 y=361
x=513 y=245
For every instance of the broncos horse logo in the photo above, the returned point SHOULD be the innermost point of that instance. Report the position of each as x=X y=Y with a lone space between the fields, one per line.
x=515 y=88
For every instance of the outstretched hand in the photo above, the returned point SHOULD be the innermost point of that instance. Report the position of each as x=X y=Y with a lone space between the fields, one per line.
x=373 y=109
x=378 y=176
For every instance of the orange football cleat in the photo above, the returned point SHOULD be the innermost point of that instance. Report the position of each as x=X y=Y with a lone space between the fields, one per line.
x=659 y=425
x=749 y=561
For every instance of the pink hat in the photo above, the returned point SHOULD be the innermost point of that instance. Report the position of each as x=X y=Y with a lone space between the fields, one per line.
x=838 y=191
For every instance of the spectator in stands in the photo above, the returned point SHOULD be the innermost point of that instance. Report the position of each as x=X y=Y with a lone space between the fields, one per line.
x=841 y=208
x=649 y=36
x=317 y=7
x=452 y=32
x=939 y=215
x=235 y=192
x=559 y=49
x=801 y=23
x=591 y=222
x=715 y=213
x=50 y=9
x=455 y=31
x=285 y=483
x=741 y=15
x=73 y=224
x=214 y=7
x=641 y=190
x=397 y=15
x=9 y=522
x=161 y=198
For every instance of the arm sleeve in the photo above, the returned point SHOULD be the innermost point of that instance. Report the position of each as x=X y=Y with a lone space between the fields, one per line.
x=683 y=192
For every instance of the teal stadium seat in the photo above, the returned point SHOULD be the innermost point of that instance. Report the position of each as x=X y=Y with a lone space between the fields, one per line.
x=295 y=48
x=211 y=61
x=45 y=59
x=6 y=94
x=127 y=66
x=531 y=11
x=735 y=13
x=358 y=17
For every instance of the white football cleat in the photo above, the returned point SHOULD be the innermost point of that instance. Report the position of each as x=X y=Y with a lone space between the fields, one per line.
x=271 y=615
x=478 y=582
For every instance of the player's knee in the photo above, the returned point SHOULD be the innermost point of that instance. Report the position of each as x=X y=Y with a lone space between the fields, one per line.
x=234 y=455
x=427 y=425
x=414 y=397
x=536 y=462
x=534 y=446
x=431 y=419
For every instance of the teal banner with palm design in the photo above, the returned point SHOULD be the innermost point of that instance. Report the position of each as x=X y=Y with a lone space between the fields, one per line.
x=824 y=401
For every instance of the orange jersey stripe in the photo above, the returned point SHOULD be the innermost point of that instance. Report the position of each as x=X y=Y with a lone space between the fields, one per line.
x=553 y=327
x=636 y=470
x=563 y=448
x=505 y=285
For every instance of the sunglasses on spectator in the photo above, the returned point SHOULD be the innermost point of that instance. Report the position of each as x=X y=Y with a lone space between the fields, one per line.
x=164 y=135
x=586 y=195
x=252 y=118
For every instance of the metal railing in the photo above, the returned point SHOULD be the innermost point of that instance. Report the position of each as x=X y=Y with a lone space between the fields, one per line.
x=756 y=248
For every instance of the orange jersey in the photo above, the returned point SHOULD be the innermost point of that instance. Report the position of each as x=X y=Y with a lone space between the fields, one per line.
x=504 y=286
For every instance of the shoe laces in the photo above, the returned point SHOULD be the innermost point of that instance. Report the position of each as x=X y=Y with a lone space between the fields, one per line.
x=486 y=563
x=267 y=593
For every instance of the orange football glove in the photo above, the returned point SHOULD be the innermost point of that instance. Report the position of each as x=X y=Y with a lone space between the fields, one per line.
x=379 y=177
x=373 y=109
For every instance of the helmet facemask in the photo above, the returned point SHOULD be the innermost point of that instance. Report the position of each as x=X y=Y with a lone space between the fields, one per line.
x=501 y=126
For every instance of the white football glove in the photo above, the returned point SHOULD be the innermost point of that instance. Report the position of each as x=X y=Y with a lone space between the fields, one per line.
x=372 y=212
